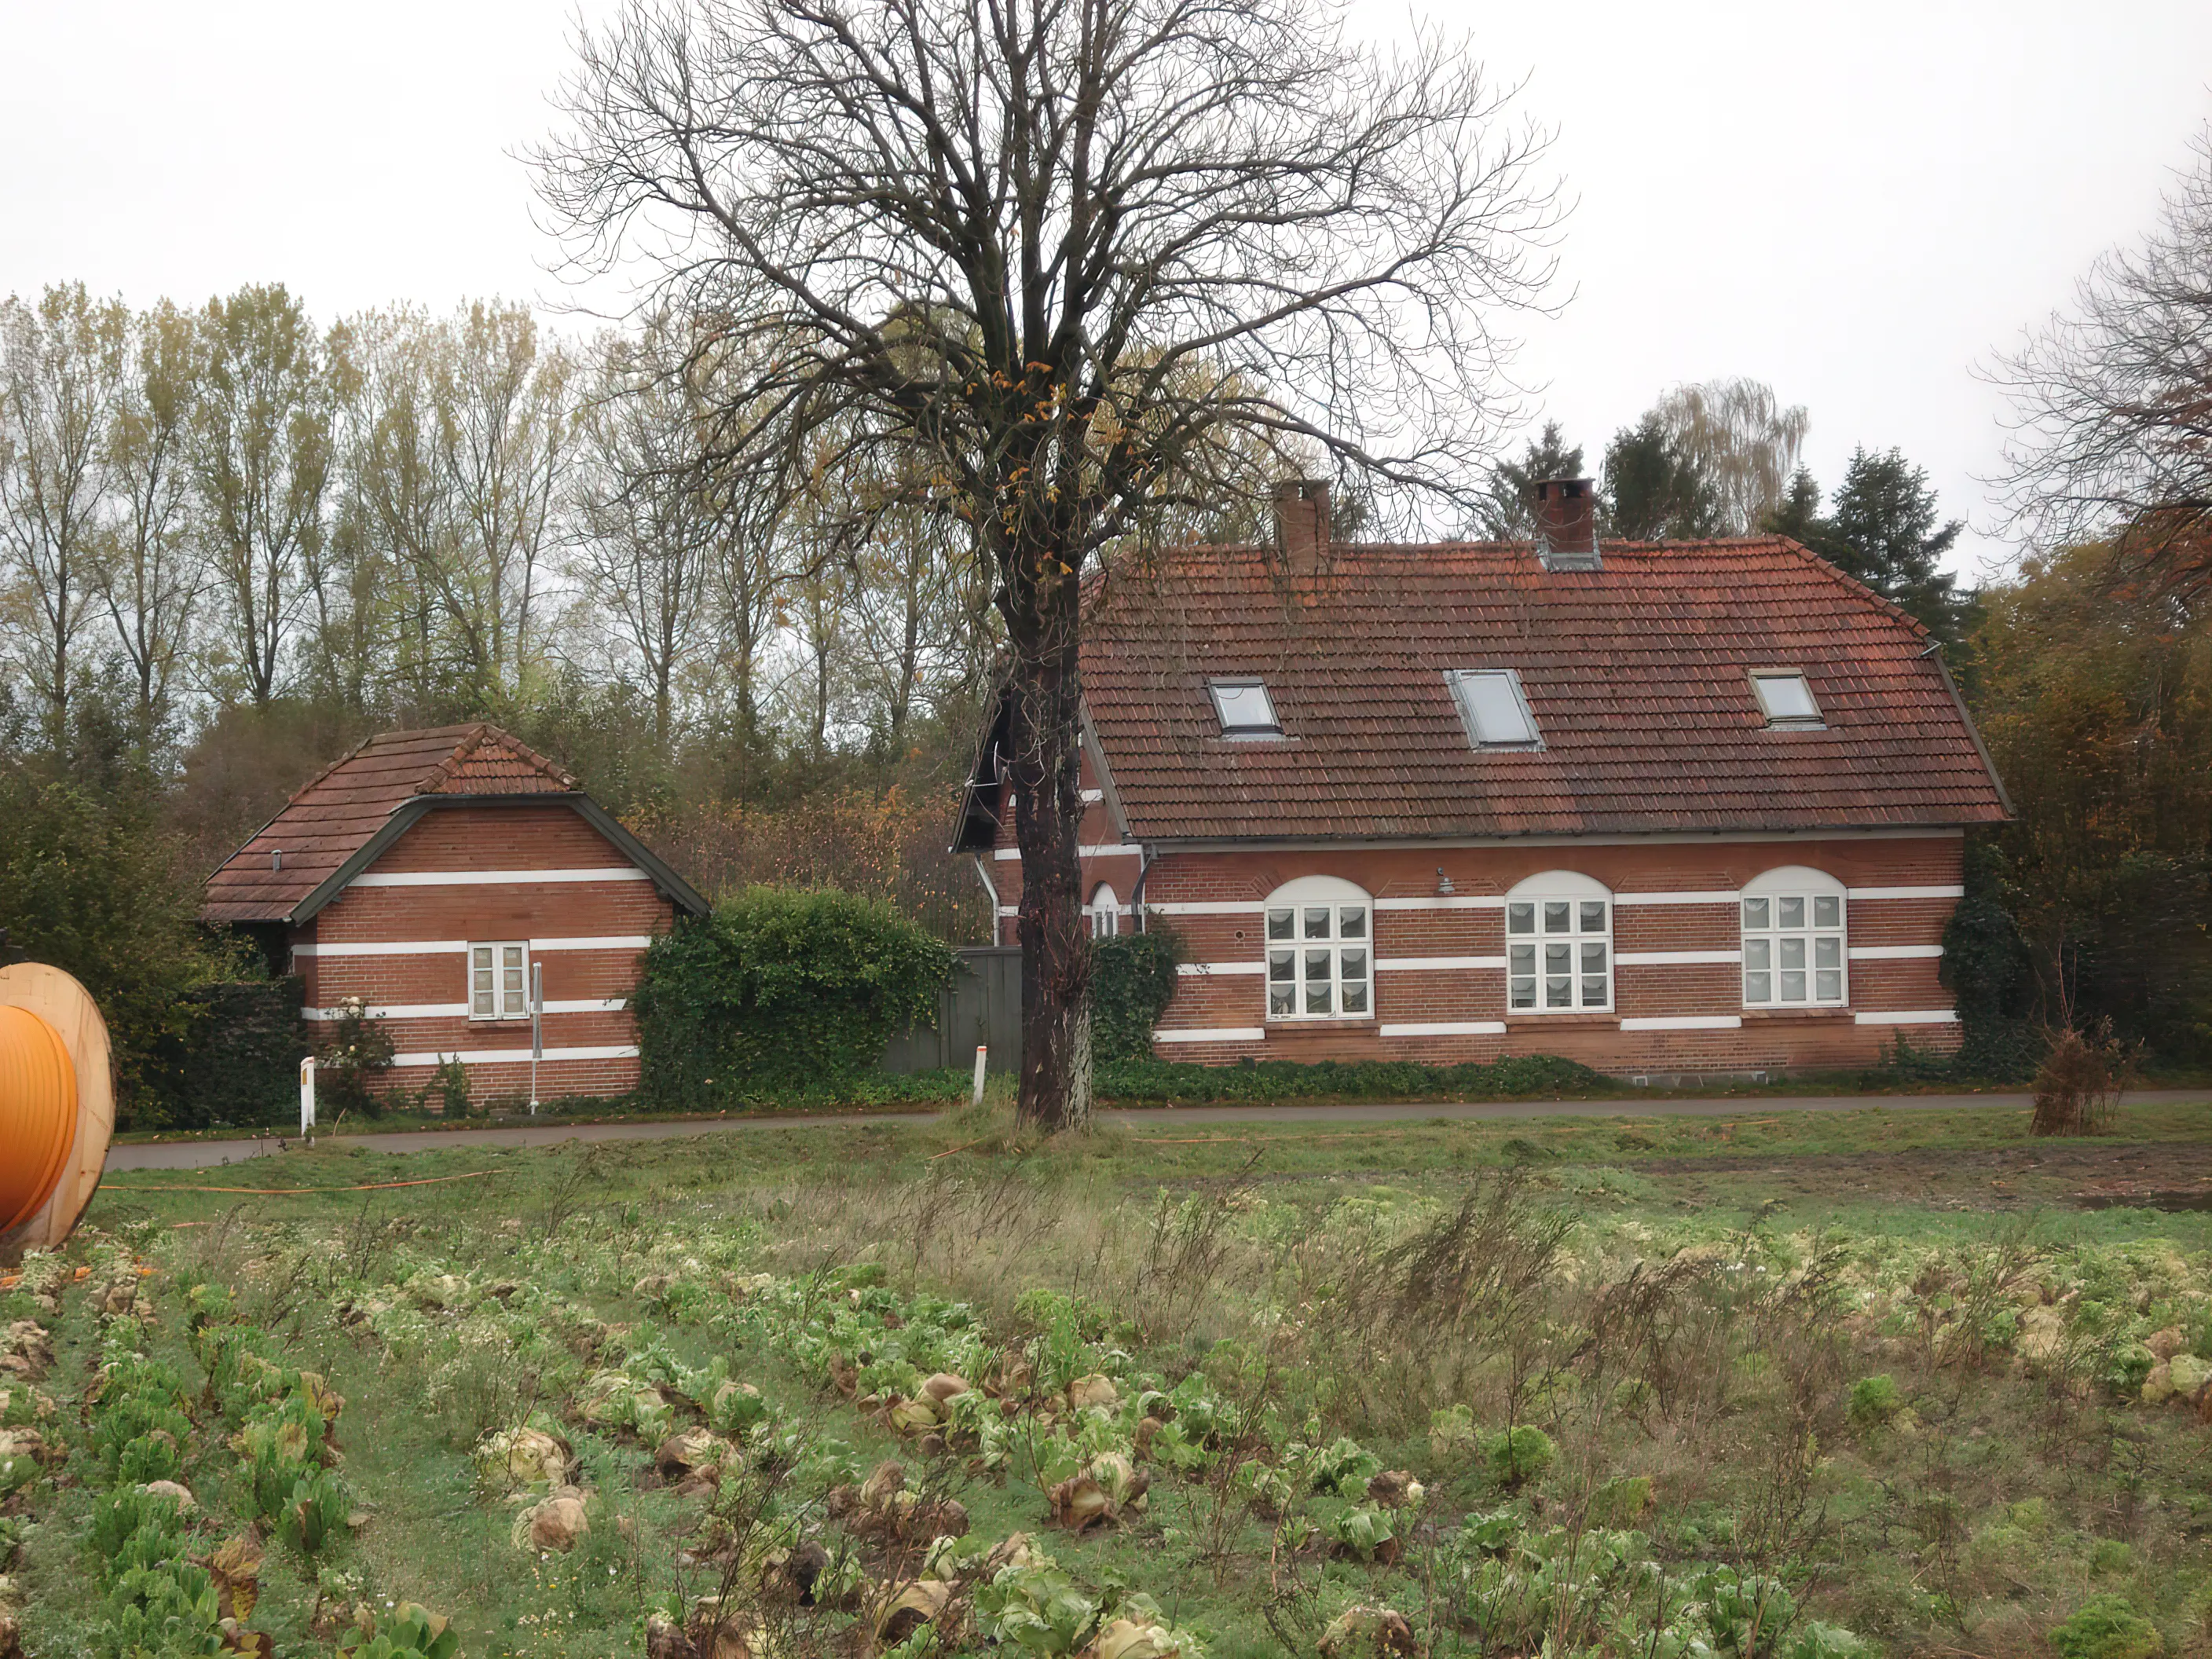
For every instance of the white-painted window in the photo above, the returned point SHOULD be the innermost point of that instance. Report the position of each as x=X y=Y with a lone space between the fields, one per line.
x=1320 y=950
x=1785 y=697
x=1493 y=707
x=1105 y=913
x=499 y=980
x=1244 y=708
x=1794 y=952
x=1559 y=945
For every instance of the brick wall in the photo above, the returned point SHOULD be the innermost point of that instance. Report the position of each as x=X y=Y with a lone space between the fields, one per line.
x=427 y=989
x=1214 y=900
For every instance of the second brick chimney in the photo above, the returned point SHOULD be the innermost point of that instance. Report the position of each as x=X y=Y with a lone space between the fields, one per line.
x=1302 y=524
x=1566 y=524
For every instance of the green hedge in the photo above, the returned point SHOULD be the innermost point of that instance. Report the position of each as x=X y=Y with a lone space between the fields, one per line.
x=241 y=1062
x=1132 y=980
x=778 y=993
x=1507 y=1078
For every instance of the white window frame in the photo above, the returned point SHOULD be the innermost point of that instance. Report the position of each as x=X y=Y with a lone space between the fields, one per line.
x=1456 y=679
x=1318 y=961
x=1105 y=912
x=1812 y=722
x=506 y=1005
x=1214 y=687
x=1790 y=907
x=1531 y=909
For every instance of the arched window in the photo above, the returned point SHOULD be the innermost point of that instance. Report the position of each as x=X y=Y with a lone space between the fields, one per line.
x=1559 y=945
x=1105 y=913
x=1793 y=940
x=1320 y=956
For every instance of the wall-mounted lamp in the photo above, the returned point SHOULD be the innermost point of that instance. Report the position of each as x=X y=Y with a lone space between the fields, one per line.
x=1444 y=881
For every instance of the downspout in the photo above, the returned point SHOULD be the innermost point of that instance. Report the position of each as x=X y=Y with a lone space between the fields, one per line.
x=983 y=875
x=1137 y=894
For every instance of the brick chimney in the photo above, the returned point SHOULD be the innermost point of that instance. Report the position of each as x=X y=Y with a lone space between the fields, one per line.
x=1302 y=524
x=1566 y=524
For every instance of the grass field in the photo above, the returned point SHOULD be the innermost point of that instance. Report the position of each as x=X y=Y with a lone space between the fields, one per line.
x=1800 y=1384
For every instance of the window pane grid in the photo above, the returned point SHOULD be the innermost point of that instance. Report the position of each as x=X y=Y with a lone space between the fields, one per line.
x=1793 y=951
x=1559 y=954
x=1318 y=962
x=499 y=980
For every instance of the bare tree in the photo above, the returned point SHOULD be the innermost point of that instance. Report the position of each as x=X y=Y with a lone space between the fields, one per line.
x=61 y=369
x=153 y=572
x=510 y=414
x=261 y=461
x=1743 y=443
x=1007 y=231
x=462 y=437
x=646 y=529
x=2112 y=430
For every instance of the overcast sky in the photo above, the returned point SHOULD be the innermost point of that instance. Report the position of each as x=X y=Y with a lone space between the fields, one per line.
x=1855 y=203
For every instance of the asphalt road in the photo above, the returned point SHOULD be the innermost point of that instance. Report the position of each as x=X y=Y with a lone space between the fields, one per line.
x=203 y=1154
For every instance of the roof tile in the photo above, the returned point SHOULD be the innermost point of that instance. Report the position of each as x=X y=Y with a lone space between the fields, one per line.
x=1638 y=674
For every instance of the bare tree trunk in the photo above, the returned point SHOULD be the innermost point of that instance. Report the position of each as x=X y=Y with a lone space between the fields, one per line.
x=1047 y=777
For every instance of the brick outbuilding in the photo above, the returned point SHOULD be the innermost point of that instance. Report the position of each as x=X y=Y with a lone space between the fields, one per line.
x=1657 y=807
x=429 y=873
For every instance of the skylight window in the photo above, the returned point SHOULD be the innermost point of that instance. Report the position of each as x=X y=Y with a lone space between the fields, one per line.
x=1786 y=699
x=1245 y=708
x=1493 y=708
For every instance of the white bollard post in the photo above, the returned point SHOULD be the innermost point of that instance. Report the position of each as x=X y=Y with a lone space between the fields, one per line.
x=982 y=1052
x=308 y=1096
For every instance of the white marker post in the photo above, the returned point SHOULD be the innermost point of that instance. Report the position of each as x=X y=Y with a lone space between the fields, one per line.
x=307 y=1096
x=982 y=1053
x=537 y=1028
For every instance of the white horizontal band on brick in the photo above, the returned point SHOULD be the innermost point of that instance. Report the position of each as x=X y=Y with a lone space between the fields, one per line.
x=429 y=947
x=460 y=1010
x=516 y=1056
x=1729 y=896
x=1438 y=963
x=1685 y=1022
x=439 y=947
x=1092 y=797
x=1673 y=958
x=493 y=878
x=1007 y=855
x=1448 y=1028
x=1892 y=952
x=1445 y=901
x=395 y=1011
x=1209 y=908
x=1223 y=1034
x=1207 y=969
x=1915 y=1017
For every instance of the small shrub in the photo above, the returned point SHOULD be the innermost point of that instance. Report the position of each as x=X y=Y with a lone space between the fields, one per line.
x=2107 y=1627
x=356 y=1050
x=1875 y=1401
x=1520 y=1454
x=2077 y=1089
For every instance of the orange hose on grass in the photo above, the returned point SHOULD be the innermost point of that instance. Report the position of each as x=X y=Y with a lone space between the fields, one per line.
x=38 y=1113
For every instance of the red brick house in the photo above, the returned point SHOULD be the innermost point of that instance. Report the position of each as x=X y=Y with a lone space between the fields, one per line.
x=426 y=873
x=1657 y=807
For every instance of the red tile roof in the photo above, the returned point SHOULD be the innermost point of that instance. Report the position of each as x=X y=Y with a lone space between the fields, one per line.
x=1637 y=674
x=334 y=816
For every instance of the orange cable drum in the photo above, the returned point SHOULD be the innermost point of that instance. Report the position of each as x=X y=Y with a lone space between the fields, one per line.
x=38 y=1113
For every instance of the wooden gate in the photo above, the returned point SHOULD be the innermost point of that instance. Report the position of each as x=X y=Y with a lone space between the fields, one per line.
x=983 y=1004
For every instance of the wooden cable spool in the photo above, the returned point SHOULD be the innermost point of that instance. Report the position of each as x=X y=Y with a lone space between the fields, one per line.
x=57 y=1105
